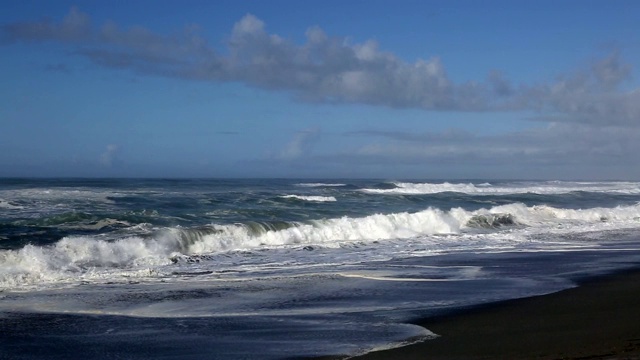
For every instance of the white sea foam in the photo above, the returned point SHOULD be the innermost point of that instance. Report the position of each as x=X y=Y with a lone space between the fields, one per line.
x=310 y=198
x=43 y=200
x=78 y=258
x=52 y=194
x=554 y=187
x=85 y=258
x=4 y=204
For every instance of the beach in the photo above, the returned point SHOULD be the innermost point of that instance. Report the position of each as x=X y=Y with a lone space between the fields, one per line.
x=599 y=319
x=289 y=268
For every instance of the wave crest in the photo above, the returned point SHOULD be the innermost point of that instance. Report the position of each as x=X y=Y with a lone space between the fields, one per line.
x=310 y=198
x=406 y=188
x=78 y=258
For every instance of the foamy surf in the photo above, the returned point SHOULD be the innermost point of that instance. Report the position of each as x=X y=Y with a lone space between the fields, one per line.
x=86 y=257
x=548 y=188
x=8 y=205
x=310 y=198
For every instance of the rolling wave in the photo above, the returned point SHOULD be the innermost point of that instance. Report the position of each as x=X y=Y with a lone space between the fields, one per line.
x=75 y=258
x=554 y=187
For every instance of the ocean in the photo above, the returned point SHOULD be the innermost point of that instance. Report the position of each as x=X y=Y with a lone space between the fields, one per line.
x=285 y=268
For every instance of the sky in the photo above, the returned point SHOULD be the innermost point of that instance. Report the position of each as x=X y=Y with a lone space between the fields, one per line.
x=320 y=89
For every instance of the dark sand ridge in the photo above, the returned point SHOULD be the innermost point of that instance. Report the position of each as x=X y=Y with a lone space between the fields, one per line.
x=600 y=319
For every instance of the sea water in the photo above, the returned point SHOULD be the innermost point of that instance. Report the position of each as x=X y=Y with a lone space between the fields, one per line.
x=268 y=269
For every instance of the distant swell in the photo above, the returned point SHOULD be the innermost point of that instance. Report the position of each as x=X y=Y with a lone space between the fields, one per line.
x=320 y=185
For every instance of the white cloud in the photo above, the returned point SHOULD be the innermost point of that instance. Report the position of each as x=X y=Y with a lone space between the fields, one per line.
x=330 y=69
x=325 y=69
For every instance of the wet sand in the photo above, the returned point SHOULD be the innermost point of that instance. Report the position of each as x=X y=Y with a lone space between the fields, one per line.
x=600 y=319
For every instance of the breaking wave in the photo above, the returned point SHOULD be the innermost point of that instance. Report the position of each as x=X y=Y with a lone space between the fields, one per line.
x=78 y=258
x=553 y=187
x=310 y=198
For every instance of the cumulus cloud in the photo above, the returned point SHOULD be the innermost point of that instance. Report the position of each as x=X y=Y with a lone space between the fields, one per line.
x=324 y=69
x=593 y=95
x=332 y=69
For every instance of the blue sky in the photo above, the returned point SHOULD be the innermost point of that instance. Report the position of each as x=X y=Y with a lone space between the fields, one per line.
x=403 y=89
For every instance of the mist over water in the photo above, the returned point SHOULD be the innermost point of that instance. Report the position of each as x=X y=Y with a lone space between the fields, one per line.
x=278 y=268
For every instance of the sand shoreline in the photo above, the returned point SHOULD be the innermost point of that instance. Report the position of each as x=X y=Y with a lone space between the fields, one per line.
x=599 y=319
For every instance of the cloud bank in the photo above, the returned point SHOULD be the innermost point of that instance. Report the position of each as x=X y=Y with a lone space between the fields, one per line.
x=556 y=144
x=332 y=69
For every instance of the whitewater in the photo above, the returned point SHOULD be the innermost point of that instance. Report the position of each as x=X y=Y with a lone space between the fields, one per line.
x=289 y=268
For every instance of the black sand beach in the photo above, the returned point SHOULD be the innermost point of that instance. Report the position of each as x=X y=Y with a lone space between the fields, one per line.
x=600 y=319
